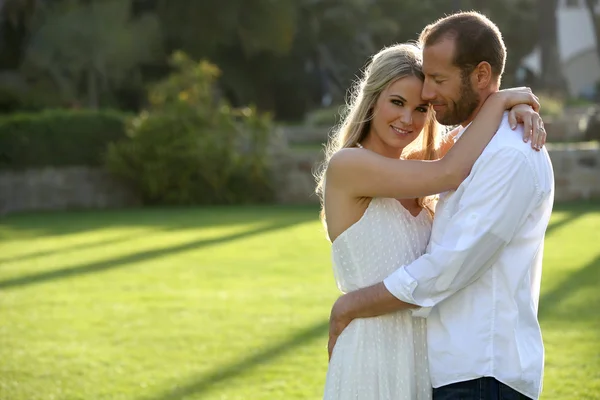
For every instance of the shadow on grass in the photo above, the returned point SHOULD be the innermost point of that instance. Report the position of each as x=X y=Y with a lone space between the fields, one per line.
x=176 y=218
x=574 y=210
x=138 y=257
x=571 y=216
x=550 y=302
x=41 y=224
x=205 y=382
x=580 y=205
x=77 y=247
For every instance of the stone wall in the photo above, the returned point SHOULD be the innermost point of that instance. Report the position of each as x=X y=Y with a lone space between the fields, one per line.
x=61 y=189
x=572 y=126
x=576 y=169
x=576 y=173
x=295 y=180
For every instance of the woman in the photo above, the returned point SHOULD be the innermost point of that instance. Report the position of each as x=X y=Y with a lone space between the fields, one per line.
x=382 y=218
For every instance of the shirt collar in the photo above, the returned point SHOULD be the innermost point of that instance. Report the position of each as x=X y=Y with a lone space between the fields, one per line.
x=461 y=131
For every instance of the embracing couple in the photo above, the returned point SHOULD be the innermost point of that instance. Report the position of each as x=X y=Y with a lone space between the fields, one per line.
x=441 y=293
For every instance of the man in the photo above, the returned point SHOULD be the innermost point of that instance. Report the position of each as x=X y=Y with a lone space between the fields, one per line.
x=478 y=284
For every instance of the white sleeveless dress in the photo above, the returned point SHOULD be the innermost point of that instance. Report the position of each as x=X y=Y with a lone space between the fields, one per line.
x=380 y=358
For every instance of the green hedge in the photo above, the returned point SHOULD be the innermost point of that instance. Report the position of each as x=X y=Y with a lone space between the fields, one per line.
x=58 y=138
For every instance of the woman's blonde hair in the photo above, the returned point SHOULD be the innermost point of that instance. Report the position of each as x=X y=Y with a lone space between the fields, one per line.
x=386 y=67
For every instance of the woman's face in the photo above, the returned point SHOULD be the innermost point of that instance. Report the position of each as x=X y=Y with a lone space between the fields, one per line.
x=399 y=114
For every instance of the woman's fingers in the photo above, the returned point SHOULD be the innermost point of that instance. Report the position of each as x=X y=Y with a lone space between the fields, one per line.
x=528 y=128
x=539 y=134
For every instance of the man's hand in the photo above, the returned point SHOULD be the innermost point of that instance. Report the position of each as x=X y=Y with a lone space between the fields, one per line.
x=338 y=321
x=367 y=302
x=533 y=124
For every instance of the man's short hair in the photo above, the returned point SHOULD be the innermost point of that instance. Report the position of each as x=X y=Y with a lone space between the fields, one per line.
x=476 y=39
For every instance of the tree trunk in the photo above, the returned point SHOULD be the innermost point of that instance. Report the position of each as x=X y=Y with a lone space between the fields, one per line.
x=552 y=77
x=596 y=21
x=92 y=84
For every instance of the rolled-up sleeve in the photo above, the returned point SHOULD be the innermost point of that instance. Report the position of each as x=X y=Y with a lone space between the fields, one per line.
x=500 y=195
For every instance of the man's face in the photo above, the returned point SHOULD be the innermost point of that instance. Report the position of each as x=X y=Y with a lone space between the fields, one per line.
x=453 y=96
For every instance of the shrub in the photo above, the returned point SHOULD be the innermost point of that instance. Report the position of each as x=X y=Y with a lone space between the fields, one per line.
x=324 y=117
x=58 y=138
x=579 y=102
x=551 y=106
x=190 y=147
x=592 y=131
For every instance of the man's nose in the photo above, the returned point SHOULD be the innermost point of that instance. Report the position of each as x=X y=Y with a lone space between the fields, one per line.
x=427 y=93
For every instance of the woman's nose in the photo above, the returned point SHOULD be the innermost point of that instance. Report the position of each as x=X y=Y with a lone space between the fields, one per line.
x=406 y=118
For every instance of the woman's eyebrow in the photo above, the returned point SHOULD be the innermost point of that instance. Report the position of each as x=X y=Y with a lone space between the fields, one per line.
x=398 y=96
x=426 y=104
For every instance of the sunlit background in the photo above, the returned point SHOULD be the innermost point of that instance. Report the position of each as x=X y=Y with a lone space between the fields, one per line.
x=159 y=232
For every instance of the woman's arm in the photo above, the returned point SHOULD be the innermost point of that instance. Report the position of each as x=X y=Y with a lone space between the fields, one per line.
x=519 y=114
x=367 y=174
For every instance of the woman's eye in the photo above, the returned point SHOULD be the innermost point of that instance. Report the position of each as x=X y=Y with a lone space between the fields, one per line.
x=398 y=103
x=422 y=109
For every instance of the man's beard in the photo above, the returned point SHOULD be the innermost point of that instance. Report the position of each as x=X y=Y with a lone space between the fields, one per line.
x=463 y=108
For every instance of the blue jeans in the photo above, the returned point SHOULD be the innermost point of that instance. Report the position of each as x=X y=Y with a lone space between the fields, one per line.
x=477 y=389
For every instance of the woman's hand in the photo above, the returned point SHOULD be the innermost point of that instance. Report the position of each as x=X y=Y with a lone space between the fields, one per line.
x=524 y=107
x=532 y=123
x=520 y=95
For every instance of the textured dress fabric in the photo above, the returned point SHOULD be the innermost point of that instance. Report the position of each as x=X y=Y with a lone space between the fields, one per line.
x=383 y=357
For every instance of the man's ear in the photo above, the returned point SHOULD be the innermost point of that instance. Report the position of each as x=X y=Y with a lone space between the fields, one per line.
x=483 y=75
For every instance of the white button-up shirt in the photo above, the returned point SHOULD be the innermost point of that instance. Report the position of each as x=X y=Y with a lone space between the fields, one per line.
x=479 y=281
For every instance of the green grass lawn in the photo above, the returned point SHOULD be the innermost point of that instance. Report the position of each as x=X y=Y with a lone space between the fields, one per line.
x=224 y=303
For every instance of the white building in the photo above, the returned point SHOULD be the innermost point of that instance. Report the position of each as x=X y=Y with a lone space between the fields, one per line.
x=576 y=47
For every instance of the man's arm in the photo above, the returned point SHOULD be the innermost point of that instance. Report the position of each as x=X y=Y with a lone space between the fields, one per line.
x=366 y=302
x=502 y=192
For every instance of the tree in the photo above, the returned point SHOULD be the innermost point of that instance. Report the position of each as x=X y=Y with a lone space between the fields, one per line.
x=85 y=48
x=15 y=23
x=552 y=76
x=591 y=6
x=516 y=19
x=288 y=56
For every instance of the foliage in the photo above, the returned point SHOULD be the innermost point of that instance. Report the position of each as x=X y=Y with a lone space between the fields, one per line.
x=330 y=42
x=324 y=117
x=285 y=56
x=592 y=131
x=85 y=48
x=15 y=25
x=58 y=138
x=191 y=147
x=518 y=20
x=18 y=95
x=256 y=25
x=579 y=102
x=550 y=106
